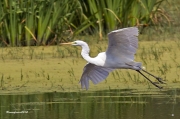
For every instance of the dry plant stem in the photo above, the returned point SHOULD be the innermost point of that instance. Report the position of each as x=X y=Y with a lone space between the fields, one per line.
x=149 y=80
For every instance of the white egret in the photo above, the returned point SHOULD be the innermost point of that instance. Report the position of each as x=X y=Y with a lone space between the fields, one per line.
x=122 y=46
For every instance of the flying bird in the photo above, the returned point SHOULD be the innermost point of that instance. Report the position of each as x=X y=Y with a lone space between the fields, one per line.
x=122 y=46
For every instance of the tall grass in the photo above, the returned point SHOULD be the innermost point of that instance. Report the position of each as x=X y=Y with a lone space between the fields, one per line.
x=37 y=22
x=110 y=15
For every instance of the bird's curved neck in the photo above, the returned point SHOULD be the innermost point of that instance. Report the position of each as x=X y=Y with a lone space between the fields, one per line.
x=85 y=53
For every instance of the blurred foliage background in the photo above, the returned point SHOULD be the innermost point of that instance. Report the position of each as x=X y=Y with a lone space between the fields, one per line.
x=48 y=22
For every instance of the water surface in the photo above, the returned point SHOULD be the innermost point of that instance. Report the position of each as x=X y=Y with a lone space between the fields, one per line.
x=106 y=104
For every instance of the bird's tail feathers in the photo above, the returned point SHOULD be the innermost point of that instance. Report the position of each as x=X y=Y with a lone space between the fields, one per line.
x=137 y=64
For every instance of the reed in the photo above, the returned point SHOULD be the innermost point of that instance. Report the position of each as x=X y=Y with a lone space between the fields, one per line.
x=37 y=22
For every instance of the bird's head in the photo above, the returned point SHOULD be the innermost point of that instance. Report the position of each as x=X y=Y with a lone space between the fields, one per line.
x=75 y=43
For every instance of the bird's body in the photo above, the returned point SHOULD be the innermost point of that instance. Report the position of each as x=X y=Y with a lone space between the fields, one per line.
x=122 y=46
x=109 y=61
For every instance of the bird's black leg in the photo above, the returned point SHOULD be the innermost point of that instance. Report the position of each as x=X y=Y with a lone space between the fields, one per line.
x=149 y=79
x=158 y=78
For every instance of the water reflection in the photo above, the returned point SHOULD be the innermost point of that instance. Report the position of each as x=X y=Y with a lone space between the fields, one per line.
x=108 y=104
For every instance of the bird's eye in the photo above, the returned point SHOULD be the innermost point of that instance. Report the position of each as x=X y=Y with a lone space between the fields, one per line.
x=74 y=43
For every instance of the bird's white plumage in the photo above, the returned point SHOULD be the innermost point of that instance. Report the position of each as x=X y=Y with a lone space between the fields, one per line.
x=122 y=46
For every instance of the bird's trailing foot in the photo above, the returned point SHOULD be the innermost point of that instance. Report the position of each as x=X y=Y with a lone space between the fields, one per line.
x=149 y=80
x=160 y=80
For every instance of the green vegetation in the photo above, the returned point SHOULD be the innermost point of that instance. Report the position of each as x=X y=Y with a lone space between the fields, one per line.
x=37 y=22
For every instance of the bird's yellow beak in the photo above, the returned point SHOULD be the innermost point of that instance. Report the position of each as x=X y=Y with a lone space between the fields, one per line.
x=69 y=43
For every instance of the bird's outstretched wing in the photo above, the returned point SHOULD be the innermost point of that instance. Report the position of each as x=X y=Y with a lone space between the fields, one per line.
x=123 y=42
x=94 y=73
